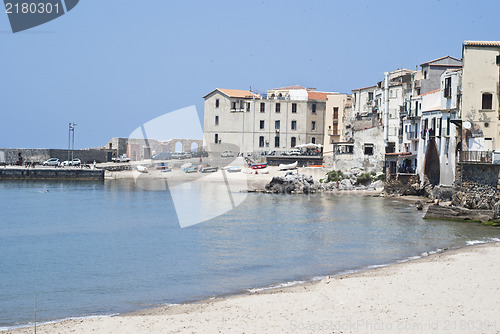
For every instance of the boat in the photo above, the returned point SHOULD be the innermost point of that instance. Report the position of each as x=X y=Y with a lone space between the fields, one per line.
x=142 y=169
x=162 y=166
x=190 y=170
x=233 y=169
x=288 y=166
x=208 y=169
x=258 y=165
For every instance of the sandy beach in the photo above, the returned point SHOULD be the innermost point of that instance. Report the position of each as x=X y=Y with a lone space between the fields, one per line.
x=456 y=291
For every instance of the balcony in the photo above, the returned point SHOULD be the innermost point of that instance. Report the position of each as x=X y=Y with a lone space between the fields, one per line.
x=484 y=157
x=333 y=132
x=412 y=135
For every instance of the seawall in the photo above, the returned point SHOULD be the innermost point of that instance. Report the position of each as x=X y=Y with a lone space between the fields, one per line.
x=50 y=174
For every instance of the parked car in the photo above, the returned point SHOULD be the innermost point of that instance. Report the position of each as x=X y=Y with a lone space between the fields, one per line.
x=227 y=154
x=74 y=162
x=121 y=158
x=294 y=152
x=197 y=154
x=187 y=155
x=51 y=162
x=162 y=156
x=178 y=155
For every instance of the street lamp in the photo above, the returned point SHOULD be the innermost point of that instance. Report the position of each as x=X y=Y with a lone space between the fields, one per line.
x=71 y=130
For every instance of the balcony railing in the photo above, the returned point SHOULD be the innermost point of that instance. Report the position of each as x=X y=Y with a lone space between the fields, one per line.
x=476 y=156
x=411 y=135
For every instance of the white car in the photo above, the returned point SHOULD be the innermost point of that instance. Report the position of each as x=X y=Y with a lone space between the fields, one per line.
x=74 y=162
x=227 y=154
x=51 y=162
x=294 y=152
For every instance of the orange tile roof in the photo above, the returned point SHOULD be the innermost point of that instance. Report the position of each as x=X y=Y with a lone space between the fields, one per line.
x=317 y=95
x=238 y=93
x=482 y=43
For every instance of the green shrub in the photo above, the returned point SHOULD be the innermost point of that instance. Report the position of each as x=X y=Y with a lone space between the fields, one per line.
x=364 y=179
x=333 y=176
x=380 y=177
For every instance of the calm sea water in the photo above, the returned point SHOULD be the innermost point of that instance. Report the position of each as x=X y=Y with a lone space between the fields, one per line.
x=102 y=248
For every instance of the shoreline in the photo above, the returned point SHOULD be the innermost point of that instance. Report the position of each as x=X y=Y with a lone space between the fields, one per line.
x=139 y=319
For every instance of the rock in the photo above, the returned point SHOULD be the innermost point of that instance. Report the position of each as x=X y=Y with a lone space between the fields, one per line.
x=346 y=184
x=377 y=184
x=419 y=205
x=292 y=183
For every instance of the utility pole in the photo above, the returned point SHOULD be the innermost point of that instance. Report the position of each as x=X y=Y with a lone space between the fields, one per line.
x=71 y=148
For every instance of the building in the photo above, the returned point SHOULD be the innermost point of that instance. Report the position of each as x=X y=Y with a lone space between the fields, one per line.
x=480 y=102
x=277 y=121
x=432 y=71
x=338 y=107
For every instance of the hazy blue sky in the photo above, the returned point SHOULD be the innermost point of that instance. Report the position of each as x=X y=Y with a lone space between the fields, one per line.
x=111 y=65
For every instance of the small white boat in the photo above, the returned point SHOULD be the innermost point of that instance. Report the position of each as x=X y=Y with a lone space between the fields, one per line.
x=233 y=169
x=288 y=166
x=142 y=169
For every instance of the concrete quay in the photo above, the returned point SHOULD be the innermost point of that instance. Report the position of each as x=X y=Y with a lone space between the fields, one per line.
x=50 y=173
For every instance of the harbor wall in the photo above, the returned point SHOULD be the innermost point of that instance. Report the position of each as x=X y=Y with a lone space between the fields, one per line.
x=51 y=174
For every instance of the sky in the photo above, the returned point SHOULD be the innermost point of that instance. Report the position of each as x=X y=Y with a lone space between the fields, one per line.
x=111 y=66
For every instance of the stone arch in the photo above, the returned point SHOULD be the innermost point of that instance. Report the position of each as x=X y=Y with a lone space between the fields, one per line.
x=431 y=163
x=194 y=147
x=179 y=147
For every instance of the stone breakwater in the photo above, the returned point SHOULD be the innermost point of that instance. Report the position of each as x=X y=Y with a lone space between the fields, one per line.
x=50 y=174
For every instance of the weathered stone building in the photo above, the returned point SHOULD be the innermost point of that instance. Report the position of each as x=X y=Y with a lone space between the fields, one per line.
x=277 y=121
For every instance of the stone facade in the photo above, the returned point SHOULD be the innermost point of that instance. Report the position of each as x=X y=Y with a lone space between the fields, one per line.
x=40 y=155
x=479 y=187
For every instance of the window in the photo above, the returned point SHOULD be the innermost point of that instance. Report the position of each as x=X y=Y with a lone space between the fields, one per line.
x=368 y=148
x=293 y=142
x=370 y=96
x=314 y=108
x=216 y=120
x=313 y=140
x=216 y=138
x=262 y=123
x=277 y=125
x=335 y=129
x=313 y=126
x=487 y=101
x=242 y=104
x=233 y=105
x=216 y=103
x=277 y=141
x=294 y=108
x=262 y=107
x=448 y=126
x=261 y=141
x=335 y=113
x=447 y=87
x=248 y=106
x=278 y=107
x=425 y=75
x=294 y=125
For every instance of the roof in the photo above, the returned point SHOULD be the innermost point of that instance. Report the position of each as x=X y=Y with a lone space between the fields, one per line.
x=434 y=60
x=235 y=93
x=482 y=43
x=428 y=93
x=365 y=88
x=289 y=87
x=317 y=95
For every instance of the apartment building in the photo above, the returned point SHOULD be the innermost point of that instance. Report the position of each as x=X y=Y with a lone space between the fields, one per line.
x=276 y=121
x=480 y=102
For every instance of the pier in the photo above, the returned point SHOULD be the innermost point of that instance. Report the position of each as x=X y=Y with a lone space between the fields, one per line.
x=47 y=173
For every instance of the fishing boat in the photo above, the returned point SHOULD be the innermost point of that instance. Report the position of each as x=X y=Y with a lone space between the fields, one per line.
x=258 y=165
x=288 y=166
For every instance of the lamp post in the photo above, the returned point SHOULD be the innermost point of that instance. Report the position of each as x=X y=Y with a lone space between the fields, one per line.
x=71 y=130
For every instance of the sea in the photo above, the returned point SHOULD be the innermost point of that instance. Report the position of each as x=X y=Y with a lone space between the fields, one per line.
x=103 y=248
